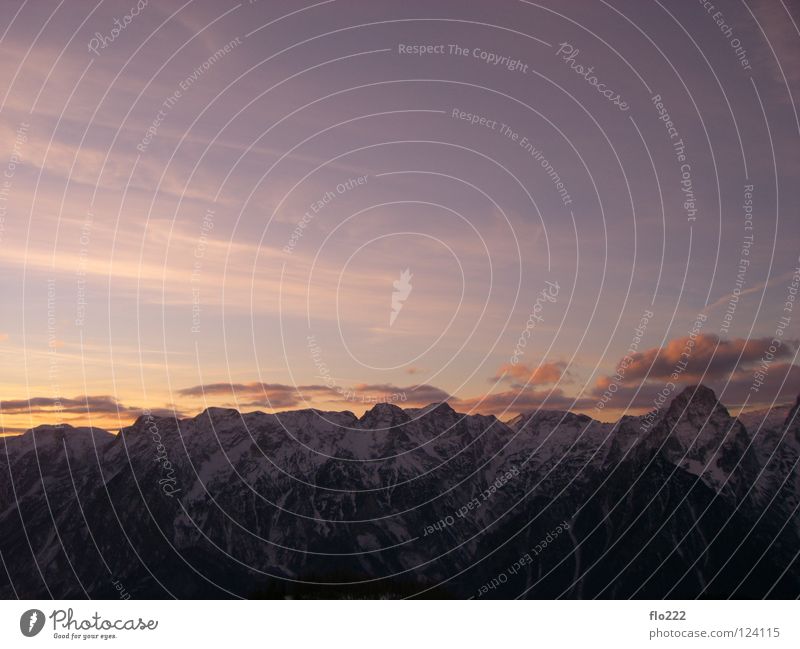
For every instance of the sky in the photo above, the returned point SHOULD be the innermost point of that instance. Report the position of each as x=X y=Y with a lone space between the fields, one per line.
x=507 y=205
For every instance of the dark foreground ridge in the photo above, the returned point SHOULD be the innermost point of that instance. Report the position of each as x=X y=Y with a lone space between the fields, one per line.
x=420 y=502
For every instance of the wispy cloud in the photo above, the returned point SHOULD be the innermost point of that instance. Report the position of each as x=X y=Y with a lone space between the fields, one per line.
x=278 y=395
x=521 y=374
x=86 y=404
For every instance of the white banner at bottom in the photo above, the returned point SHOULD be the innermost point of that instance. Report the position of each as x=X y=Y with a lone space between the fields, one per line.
x=462 y=624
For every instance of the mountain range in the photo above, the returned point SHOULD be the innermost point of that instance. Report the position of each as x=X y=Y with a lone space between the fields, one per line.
x=423 y=502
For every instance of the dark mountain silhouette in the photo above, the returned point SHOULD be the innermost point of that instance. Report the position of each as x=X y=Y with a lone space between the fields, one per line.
x=423 y=502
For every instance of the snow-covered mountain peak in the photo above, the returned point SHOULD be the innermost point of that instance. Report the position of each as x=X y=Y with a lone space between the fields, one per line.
x=697 y=402
x=383 y=416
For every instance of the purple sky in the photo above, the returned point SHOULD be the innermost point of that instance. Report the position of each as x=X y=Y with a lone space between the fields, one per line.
x=214 y=204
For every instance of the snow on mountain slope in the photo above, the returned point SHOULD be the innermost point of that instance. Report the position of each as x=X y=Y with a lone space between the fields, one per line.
x=306 y=493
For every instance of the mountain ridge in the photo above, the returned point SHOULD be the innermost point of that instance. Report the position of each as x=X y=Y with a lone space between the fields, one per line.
x=415 y=502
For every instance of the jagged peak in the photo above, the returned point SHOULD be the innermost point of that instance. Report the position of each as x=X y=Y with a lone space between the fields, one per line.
x=384 y=414
x=792 y=418
x=337 y=417
x=699 y=391
x=75 y=437
x=385 y=407
x=159 y=413
x=440 y=407
x=695 y=400
x=214 y=412
x=49 y=428
x=563 y=417
x=59 y=430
